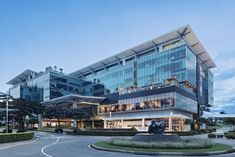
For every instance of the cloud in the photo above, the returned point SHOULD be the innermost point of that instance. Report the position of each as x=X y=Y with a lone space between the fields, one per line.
x=224 y=81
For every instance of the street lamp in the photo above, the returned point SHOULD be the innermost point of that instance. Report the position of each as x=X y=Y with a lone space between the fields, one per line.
x=170 y=121
x=7 y=99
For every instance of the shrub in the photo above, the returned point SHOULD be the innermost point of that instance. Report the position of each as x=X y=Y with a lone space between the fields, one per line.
x=209 y=130
x=229 y=135
x=211 y=135
x=105 y=133
x=9 y=131
x=182 y=133
x=190 y=143
x=59 y=130
x=32 y=128
x=16 y=137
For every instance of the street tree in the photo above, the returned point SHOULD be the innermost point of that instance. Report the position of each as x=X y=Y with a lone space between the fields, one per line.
x=21 y=109
x=57 y=113
x=230 y=121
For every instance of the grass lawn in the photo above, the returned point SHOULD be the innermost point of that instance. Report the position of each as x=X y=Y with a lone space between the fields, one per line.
x=216 y=147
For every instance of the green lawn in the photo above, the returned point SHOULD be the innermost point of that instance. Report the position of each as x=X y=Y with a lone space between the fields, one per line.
x=216 y=147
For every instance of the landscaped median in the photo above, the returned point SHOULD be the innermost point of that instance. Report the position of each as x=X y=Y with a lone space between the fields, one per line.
x=230 y=134
x=127 y=132
x=193 y=146
x=13 y=137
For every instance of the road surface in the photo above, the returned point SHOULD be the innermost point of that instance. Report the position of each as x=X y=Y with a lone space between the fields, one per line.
x=60 y=145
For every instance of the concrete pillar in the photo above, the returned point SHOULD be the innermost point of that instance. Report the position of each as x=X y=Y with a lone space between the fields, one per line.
x=105 y=123
x=143 y=122
x=82 y=124
x=92 y=124
x=170 y=123
x=74 y=123
x=40 y=121
x=75 y=104
x=122 y=123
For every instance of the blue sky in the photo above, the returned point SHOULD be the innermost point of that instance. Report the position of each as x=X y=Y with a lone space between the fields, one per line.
x=72 y=34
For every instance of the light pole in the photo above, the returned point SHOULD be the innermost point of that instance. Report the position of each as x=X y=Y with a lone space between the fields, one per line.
x=7 y=99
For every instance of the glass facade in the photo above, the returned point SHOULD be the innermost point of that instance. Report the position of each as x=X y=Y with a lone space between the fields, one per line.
x=151 y=66
x=159 y=101
x=61 y=85
x=114 y=77
x=149 y=69
x=210 y=88
x=206 y=84
x=26 y=92
x=154 y=69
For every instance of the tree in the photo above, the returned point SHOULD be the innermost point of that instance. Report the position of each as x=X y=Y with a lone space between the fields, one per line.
x=80 y=114
x=23 y=108
x=230 y=121
x=57 y=113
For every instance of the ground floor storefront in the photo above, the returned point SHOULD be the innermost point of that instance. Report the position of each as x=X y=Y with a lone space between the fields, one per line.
x=172 y=124
x=140 y=120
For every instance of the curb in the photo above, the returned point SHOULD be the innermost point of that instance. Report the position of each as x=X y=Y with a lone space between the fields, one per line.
x=162 y=153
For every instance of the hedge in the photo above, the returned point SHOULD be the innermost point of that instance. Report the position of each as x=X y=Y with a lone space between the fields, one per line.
x=211 y=135
x=13 y=137
x=182 y=133
x=229 y=135
x=105 y=133
x=123 y=133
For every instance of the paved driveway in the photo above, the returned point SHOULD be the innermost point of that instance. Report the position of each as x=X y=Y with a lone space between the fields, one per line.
x=60 y=145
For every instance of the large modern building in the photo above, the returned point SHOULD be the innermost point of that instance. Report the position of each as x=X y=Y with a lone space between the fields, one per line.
x=167 y=78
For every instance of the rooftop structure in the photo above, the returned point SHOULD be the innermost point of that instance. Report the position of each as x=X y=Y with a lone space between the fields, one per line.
x=185 y=32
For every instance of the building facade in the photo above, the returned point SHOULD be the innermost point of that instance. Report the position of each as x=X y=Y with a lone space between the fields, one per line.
x=168 y=78
x=50 y=84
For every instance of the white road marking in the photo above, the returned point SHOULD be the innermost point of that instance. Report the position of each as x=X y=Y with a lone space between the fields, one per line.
x=46 y=146
x=89 y=146
x=19 y=144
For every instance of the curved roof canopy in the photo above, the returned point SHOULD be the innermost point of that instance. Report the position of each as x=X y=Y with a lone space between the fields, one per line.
x=185 y=32
x=21 y=77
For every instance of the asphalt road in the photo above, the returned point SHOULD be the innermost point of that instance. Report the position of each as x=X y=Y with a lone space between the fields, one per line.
x=60 y=145
x=56 y=145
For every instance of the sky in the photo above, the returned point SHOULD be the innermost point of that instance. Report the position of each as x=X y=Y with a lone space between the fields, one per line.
x=72 y=34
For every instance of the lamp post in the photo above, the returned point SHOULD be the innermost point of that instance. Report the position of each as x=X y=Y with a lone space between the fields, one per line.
x=7 y=99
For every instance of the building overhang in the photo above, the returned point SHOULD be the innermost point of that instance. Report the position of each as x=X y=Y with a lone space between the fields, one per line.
x=185 y=33
x=148 y=114
x=68 y=100
x=21 y=77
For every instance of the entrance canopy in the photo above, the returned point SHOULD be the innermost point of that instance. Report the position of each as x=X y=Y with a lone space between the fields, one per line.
x=74 y=101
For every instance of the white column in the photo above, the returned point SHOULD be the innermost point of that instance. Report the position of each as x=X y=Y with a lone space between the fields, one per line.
x=143 y=122
x=40 y=121
x=122 y=123
x=170 y=121
x=92 y=124
x=74 y=123
x=105 y=123
x=82 y=124
x=75 y=103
